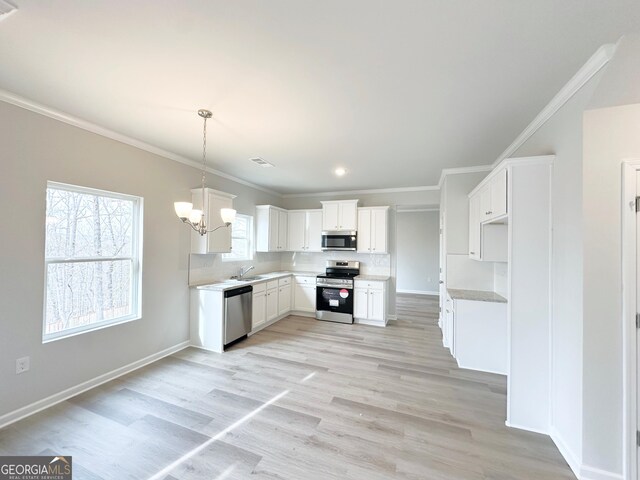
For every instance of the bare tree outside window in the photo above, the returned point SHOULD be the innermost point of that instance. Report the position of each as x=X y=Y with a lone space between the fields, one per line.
x=92 y=259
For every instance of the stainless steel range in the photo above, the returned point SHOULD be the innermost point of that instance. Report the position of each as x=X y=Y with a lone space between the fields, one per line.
x=334 y=291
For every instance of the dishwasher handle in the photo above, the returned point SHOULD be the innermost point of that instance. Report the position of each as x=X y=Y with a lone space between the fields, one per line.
x=238 y=291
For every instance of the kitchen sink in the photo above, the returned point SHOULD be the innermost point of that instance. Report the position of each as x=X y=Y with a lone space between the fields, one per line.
x=252 y=278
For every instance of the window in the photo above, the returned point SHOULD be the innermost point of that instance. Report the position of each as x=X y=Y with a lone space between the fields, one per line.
x=92 y=259
x=241 y=239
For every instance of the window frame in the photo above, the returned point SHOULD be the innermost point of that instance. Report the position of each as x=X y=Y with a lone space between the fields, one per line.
x=250 y=238
x=135 y=258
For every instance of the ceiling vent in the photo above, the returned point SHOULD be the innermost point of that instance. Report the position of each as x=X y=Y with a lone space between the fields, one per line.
x=6 y=9
x=259 y=161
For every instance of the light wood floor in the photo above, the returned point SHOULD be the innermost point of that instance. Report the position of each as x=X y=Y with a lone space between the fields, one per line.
x=300 y=400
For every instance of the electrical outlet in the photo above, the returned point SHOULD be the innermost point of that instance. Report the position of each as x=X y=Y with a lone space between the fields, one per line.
x=22 y=365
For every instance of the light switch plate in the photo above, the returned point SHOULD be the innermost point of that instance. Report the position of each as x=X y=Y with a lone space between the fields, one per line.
x=22 y=365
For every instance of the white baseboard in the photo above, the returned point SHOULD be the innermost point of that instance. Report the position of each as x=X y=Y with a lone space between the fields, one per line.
x=591 y=473
x=574 y=462
x=374 y=323
x=51 y=400
x=417 y=292
x=391 y=317
x=528 y=429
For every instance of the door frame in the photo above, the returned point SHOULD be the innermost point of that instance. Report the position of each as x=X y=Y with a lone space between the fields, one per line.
x=629 y=217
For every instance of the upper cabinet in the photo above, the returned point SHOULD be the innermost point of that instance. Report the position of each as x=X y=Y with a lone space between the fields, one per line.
x=474 y=227
x=220 y=240
x=493 y=197
x=271 y=228
x=305 y=230
x=373 y=227
x=340 y=215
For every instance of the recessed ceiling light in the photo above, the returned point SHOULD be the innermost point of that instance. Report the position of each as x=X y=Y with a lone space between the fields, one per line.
x=340 y=171
x=6 y=9
x=261 y=162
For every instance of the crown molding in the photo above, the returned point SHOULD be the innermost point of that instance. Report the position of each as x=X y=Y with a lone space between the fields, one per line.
x=459 y=170
x=18 y=101
x=415 y=210
x=597 y=61
x=423 y=188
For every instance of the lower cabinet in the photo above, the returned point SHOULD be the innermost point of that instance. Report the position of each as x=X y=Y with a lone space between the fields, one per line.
x=284 y=299
x=478 y=335
x=370 y=302
x=272 y=304
x=259 y=313
x=304 y=294
x=448 y=325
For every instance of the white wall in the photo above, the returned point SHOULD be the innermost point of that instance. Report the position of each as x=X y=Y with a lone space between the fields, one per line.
x=586 y=288
x=36 y=149
x=562 y=136
x=418 y=251
x=610 y=136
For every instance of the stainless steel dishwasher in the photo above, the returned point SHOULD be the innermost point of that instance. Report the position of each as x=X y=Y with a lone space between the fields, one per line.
x=238 y=306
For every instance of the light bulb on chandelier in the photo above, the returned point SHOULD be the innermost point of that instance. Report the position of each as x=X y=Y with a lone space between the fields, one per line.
x=184 y=210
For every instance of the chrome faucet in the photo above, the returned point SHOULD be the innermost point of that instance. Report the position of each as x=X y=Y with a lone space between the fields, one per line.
x=243 y=272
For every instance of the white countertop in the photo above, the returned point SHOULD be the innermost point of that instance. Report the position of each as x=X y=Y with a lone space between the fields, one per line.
x=475 y=295
x=228 y=284
x=373 y=278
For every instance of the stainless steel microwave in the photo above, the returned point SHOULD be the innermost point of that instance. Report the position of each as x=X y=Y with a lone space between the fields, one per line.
x=339 y=240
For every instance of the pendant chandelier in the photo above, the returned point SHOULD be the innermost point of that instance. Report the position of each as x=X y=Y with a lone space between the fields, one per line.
x=196 y=218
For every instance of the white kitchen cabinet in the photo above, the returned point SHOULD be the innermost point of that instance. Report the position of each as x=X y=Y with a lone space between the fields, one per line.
x=284 y=295
x=340 y=215
x=448 y=327
x=259 y=309
x=305 y=231
x=493 y=197
x=474 y=227
x=487 y=214
x=479 y=341
x=373 y=227
x=272 y=303
x=370 y=302
x=220 y=240
x=271 y=229
x=304 y=294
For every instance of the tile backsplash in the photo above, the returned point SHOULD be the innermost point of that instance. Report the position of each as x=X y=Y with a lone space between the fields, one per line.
x=210 y=268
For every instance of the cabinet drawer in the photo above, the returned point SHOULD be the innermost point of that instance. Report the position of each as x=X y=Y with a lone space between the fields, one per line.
x=272 y=284
x=369 y=284
x=259 y=287
x=305 y=280
x=284 y=281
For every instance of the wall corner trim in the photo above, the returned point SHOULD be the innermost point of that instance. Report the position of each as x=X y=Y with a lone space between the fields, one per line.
x=598 y=60
x=51 y=400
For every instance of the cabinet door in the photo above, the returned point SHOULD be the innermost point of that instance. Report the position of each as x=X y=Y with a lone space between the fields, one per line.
x=360 y=302
x=274 y=216
x=220 y=240
x=499 y=194
x=348 y=216
x=272 y=304
x=378 y=230
x=364 y=230
x=474 y=227
x=485 y=203
x=283 y=221
x=297 y=229
x=376 y=305
x=284 y=299
x=330 y=212
x=304 y=298
x=314 y=231
x=259 y=314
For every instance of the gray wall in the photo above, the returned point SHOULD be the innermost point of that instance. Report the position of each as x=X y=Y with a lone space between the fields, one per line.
x=36 y=149
x=418 y=251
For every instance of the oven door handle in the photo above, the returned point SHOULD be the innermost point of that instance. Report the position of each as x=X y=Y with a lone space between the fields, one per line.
x=324 y=285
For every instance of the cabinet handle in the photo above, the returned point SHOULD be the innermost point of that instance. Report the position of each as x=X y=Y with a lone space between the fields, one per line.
x=472 y=253
x=374 y=249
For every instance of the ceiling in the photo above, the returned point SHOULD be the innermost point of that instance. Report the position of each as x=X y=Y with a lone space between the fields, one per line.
x=391 y=90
